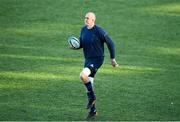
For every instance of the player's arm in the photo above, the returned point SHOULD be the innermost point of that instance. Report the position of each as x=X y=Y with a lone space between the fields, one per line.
x=111 y=48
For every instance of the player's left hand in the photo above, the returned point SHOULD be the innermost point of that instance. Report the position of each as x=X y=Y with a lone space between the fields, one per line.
x=114 y=63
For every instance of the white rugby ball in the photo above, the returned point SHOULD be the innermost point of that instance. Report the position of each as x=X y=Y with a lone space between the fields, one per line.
x=74 y=42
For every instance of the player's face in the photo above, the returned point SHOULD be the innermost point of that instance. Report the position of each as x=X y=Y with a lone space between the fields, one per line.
x=89 y=20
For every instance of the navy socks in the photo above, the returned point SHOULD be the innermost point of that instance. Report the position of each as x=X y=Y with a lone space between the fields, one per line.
x=90 y=92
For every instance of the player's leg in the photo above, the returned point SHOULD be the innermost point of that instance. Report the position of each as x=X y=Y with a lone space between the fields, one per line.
x=91 y=79
x=91 y=99
x=90 y=94
x=97 y=64
x=84 y=76
x=87 y=76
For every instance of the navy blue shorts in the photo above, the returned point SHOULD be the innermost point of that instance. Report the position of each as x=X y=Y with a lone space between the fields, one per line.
x=93 y=64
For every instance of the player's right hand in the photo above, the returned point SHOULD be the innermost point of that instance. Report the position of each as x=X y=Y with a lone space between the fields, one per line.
x=70 y=47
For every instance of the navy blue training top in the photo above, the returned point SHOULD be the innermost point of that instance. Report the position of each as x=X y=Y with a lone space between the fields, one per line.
x=92 y=41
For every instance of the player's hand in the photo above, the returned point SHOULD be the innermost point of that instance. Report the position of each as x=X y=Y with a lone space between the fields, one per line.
x=114 y=63
x=70 y=47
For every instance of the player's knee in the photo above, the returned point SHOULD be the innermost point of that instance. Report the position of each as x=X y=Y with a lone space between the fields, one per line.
x=84 y=78
x=84 y=74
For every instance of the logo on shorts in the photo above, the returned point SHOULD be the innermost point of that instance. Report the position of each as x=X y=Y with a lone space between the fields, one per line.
x=92 y=65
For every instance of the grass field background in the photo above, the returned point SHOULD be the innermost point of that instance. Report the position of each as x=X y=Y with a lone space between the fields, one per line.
x=39 y=74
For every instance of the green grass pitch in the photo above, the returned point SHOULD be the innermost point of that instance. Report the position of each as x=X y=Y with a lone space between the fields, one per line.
x=39 y=74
